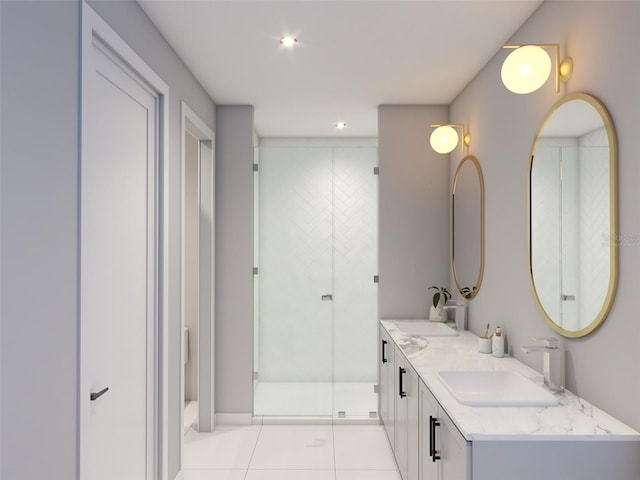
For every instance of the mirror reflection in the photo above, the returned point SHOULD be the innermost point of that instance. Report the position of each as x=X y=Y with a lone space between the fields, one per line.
x=572 y=215
x=468 y=226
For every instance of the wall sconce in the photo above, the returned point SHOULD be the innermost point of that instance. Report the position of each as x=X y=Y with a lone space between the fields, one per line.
x=444 y=138
x=528 y=67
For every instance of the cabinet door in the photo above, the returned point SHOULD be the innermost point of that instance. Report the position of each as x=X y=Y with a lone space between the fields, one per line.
x=412 y=390
x=407 y=413
x=428 y=410
x=402 y=413
x=387 y=392
x=452 y=457
x=454 y=450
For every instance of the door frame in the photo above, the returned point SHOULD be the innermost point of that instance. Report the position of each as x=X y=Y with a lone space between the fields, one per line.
x=95 y=28
x=192 y=123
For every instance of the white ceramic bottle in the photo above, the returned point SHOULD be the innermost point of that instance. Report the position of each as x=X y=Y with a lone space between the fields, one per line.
x=497 y=345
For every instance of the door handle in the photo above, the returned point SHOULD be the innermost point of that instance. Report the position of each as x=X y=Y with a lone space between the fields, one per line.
x=384 y=344
x=96 y=395
x=401 y=392
x=327 y=297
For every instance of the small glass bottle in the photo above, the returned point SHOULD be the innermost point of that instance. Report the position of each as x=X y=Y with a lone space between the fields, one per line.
x=497 y=345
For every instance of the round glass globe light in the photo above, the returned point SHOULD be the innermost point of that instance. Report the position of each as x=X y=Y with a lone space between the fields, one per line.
x=526 y=69
x=444 y=139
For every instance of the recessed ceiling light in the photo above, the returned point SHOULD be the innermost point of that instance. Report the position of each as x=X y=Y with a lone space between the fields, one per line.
x=288 y=41
x=341 y=125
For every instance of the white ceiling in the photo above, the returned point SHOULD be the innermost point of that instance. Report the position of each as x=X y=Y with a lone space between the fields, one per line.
x=351 y=55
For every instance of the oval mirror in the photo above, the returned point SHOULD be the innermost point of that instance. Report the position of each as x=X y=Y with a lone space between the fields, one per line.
x=573 y=256
x=467 y=223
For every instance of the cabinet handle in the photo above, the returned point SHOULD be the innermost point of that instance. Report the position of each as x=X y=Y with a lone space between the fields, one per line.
x=433 y=453
x=384 y=344
x=401 y=392
x=430 y=436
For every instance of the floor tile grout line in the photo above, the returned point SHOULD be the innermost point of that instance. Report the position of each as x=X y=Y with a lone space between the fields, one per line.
x=335 y=463
x=255 y=445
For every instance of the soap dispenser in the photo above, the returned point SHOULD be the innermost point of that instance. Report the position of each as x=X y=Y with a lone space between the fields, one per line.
x=497 y=345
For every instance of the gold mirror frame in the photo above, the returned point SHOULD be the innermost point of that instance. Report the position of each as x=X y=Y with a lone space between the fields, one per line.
x=474 y=161
x=613 y=216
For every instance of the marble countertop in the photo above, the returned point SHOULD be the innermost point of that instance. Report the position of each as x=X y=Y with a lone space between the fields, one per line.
x=573 y=419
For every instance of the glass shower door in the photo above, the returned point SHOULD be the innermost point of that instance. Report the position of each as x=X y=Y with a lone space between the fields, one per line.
x=355 y=334
x=316 y=331
x=295 y=329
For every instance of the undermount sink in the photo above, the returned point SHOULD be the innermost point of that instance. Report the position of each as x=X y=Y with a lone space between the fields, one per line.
x=495 y=388
x=422 y=328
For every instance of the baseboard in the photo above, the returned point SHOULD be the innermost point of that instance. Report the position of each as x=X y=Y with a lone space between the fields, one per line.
x=257 y=420
x=234 y=418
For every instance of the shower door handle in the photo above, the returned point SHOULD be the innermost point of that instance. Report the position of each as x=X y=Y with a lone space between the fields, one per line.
x=326 y=298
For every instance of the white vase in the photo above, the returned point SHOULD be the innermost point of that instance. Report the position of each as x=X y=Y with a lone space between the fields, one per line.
x=437 y=314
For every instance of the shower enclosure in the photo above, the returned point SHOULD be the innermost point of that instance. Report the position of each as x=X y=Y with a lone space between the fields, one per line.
x=316 y=287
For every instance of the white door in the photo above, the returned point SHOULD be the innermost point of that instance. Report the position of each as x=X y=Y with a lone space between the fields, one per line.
x=117 y=270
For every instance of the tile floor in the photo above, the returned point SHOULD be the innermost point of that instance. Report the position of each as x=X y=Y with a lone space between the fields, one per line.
x=281 y=452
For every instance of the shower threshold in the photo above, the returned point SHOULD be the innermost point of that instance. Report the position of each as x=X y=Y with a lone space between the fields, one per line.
x=323 y=402
x=313 y=420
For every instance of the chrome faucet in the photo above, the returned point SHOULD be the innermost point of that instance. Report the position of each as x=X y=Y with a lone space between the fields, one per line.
x=553 y=362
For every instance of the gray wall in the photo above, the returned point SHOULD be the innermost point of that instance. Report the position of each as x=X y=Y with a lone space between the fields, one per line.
x=40 y=142
x=234 y=259
x=601 y=37
x=414 y=210
x=39 y=209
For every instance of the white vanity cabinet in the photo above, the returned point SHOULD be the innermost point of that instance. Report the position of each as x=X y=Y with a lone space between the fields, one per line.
x=386 y=390
x=407 y=419
x=434 y=437
x=444 y=453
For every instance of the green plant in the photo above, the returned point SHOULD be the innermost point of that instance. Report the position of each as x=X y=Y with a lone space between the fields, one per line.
x=467 y=292
x=441 y=293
